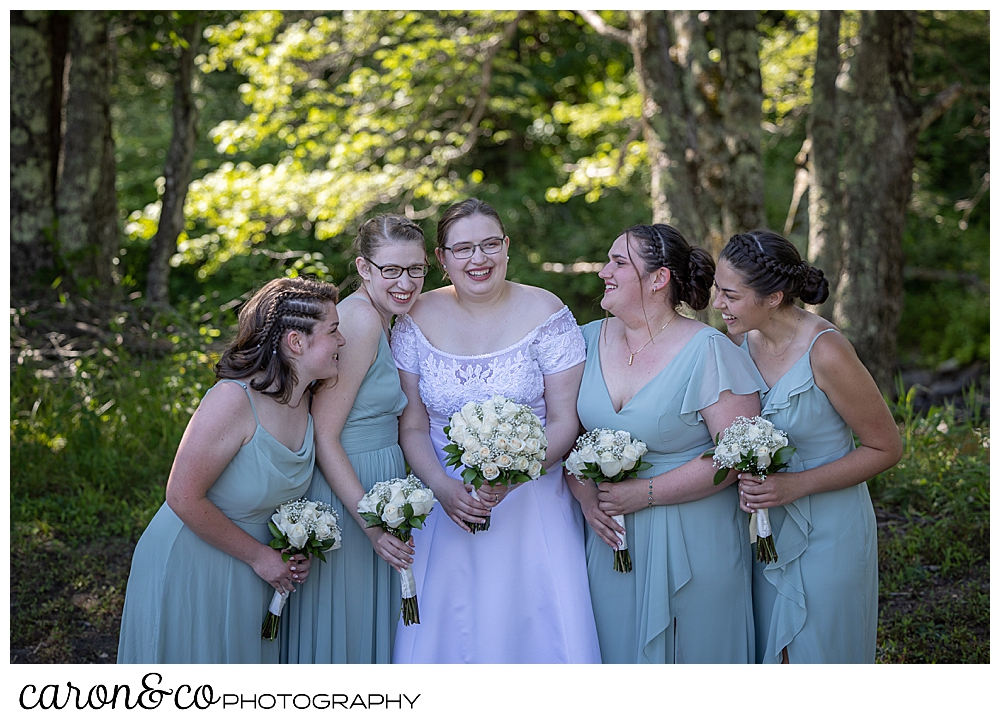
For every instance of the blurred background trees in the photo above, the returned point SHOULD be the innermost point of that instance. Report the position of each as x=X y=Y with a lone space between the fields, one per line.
x=170 y=155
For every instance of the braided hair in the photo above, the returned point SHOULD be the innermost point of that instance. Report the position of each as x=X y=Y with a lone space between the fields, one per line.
x=279 y=306
x=769 y=263
x=385 y=229
x=691 y=268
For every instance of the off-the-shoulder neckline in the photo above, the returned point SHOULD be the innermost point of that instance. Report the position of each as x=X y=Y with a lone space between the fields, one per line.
x=518 y=343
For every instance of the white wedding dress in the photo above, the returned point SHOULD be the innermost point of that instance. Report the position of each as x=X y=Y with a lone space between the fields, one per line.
x=518 y=592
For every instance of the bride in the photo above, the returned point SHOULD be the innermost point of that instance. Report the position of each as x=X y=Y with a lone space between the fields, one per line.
x=517 y=592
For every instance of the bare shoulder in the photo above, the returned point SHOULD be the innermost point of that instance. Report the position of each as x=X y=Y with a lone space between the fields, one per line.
x=535 y=302
x=359 y=320
x=433 y=303
x=835 y=364
x=224 y=407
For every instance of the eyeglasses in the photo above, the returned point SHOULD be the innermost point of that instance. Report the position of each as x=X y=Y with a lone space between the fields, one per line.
x=465 y=249
x=391 y=271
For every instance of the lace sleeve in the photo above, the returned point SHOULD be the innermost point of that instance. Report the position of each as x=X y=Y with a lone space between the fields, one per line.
x=559 y=344
x=404 y=345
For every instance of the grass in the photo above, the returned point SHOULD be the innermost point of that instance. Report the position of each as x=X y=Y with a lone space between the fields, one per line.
x=93 y=435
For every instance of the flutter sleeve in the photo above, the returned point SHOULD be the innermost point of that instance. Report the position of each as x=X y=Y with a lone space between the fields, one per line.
x=559 y=344
x=721 y=366
x=404 y=345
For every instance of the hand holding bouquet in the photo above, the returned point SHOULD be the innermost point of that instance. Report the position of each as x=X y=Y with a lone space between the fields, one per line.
x=754 y=446
x=498 y=441
x=609 y=456
x=299 y=526
x=398 y=506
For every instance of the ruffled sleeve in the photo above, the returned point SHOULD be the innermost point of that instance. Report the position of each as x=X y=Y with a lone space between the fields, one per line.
x=404 y=344
x=721 y=365
x=559 y=343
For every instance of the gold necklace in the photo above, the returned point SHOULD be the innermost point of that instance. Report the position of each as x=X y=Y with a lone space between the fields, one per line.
x=632 y=354
x=794 y=332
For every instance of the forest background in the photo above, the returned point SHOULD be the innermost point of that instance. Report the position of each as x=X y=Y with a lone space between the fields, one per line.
x=163 y=164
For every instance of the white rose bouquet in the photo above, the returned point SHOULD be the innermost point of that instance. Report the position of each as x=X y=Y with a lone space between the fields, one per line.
x=299 y=526
x=499 y=442
x=398 y=506
x=753 y=445
x=609 y=456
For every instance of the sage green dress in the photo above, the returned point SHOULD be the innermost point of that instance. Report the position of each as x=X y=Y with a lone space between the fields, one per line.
x=820 y=598
x=346 y=611
x=687 y=599
x=188 y=602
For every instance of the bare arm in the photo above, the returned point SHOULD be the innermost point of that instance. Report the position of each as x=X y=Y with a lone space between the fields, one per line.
x=856 y=398
x=360 y=324
x=223 y=423
x=562 y=425
x=691 y=481
x=415 y=439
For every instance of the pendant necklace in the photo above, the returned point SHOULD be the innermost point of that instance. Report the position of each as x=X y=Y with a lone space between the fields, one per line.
x=632 y=354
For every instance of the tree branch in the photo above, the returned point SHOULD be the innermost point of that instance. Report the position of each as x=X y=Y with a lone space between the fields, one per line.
x=608 y=31
x=940 y=103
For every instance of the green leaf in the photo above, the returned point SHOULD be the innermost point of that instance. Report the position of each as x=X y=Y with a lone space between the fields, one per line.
x=720 y=475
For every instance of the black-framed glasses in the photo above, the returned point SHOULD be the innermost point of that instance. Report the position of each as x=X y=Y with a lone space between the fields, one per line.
x=391 y=271
x=466 y=249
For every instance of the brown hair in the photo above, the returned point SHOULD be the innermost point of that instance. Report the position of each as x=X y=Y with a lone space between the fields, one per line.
x=769 y=263
x=385 y=229
x=462 y=210
x=278 y=306
x=691 y=268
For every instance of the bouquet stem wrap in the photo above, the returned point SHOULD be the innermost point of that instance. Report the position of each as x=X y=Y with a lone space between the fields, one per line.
x=269 y=630
x=623 y=560
x=766 y=552
x=408 y=585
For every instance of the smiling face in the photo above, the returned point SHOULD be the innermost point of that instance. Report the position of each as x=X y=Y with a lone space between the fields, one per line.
x=622 y=278
x=742 y=310
x=319 y=357
x=392 y=296
x=481 y=272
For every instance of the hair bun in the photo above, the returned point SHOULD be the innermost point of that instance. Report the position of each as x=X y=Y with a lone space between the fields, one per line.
x=697 y=288
x=815 y=287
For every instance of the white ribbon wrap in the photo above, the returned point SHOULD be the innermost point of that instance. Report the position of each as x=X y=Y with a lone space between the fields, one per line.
x=408 y=585
x=622 y=543
x=763 y=524
x=278 y=602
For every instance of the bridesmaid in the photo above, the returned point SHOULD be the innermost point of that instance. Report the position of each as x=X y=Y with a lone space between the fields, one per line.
x=347 y=614
x=673 y=383
x=819 y=602
x=202 y=572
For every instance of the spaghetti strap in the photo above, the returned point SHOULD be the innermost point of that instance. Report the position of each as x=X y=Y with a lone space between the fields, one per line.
x=249 y=397
x=818 y=335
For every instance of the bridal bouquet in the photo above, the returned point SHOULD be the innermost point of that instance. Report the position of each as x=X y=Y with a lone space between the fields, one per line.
x=299 y=526
x=498 y=441
x=398 y=506
x=754 y=446
x=609 y=456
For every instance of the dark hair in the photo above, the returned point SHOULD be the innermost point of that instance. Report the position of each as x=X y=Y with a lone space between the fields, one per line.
x=278 y=306
x=462 y=210
x=769 y=263
x=385 y=229
x=691 y=268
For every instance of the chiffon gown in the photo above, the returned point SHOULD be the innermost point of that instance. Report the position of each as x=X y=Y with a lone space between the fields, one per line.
x=820 y=599
x=189 y=602
x=345 y=613
x=687 y=598
x=516 y=593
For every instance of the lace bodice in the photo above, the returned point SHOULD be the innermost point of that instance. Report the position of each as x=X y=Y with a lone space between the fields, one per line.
x=448 y=381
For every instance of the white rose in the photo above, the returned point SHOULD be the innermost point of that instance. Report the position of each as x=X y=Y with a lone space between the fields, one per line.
x=515 y=444
x=396 y=495
x=323 y=531
x=523 y=431
x=422 y=501
x=610 y=465
x=368 y=504
x=486 y=429
x=531 y=446
x=468 y=459
x=505 y=461
x=309 y=513
x=487 y=408
x=630 y=453
x=641 y=448
x=505 y=429
x=574 y=464
x=628 y=464
x=484 y=453
x=328 y=519
x=457 y=435
x=297 y=536
x=509 y=408
x=534 y=469
x=588 y=454
x=491 y=471
x=521 y=463
x=501 y=443
x=753 y=432
x=469 y=412
x=778 y=439
x=393 y=515
x=763 y=456
x=606 y=440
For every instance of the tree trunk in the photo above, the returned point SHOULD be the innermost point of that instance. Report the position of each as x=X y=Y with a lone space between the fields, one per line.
x=87 y=233
x=177 y=170
x=33 y=155
x=826 y=247
x=740 y=105
x=669 y=128
x=878 y=168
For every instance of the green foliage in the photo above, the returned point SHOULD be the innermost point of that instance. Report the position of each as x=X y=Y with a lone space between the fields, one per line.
x=934 y=508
